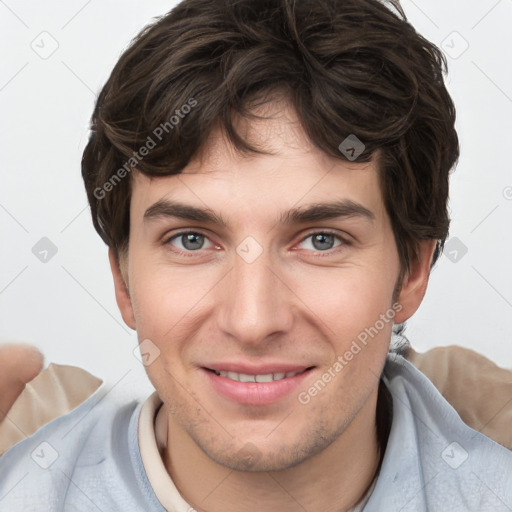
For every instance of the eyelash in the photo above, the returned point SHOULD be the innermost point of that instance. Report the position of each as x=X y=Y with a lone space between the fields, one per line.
x=329 y=252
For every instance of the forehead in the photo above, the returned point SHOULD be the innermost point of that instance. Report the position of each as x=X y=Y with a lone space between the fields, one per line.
x=295 y=172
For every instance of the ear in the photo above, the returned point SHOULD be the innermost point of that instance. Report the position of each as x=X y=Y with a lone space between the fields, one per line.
x=415 y=282
x=121 y=288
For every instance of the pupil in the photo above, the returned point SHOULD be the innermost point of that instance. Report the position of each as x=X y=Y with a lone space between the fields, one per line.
x=321 y=238
x=190 y=239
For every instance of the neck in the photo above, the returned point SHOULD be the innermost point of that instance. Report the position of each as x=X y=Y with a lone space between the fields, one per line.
x=335 y=479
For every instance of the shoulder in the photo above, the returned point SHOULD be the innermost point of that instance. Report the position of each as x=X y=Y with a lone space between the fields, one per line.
x=86 y=455
x=478 y=389
x=433 y=460
x=54 y=392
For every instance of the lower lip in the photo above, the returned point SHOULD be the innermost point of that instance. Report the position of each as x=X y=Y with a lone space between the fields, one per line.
x=255 y=393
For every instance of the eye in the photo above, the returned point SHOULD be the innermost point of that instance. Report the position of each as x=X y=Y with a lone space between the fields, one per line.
x=188 y=241
x=323 y=241
x=193 y=241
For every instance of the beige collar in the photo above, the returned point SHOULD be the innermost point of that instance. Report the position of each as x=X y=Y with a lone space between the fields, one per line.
x=152 y=442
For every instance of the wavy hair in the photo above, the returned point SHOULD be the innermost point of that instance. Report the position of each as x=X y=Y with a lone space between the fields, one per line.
x=347 y=67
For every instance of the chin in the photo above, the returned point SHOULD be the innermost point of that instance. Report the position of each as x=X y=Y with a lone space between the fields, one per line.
x=262 y=457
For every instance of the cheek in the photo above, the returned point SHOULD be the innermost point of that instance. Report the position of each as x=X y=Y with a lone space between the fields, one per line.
x=166 y=301
x=158 y=294
x=347 y=300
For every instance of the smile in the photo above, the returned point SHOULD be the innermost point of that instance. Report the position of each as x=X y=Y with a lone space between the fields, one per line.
x=258 y=388
x=244 y=377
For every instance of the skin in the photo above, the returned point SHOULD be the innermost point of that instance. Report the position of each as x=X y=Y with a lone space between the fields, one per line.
x=297 y=303
x=19 y=364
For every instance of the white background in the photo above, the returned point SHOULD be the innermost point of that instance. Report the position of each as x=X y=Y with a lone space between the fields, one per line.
x=66 y=306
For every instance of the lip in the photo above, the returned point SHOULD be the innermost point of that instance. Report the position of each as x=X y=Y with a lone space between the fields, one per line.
x=255 y=393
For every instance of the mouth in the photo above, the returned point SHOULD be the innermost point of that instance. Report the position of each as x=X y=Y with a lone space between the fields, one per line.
x=255 y=386
x=263 y=377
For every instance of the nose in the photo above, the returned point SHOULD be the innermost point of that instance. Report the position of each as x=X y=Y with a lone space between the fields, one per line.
x=255 y=303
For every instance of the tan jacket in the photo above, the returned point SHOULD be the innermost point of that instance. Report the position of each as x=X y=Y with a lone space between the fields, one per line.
x=479 y=390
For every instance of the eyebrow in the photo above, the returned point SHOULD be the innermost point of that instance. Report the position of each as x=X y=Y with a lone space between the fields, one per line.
x=309 y=213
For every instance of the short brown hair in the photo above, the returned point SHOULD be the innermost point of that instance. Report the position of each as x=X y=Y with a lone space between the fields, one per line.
x=348 y=67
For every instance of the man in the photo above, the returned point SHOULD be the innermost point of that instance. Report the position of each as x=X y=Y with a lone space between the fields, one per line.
x=271 y=179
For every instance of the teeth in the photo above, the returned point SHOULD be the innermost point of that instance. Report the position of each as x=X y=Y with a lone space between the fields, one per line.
x=264 y=378
x=243 y=377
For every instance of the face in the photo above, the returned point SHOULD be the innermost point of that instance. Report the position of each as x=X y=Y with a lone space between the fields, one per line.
x=257 y=308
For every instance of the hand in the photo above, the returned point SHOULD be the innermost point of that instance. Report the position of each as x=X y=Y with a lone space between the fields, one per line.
x=19 y=364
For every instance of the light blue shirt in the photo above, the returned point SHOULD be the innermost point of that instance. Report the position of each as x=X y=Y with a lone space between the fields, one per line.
x=89 y=459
